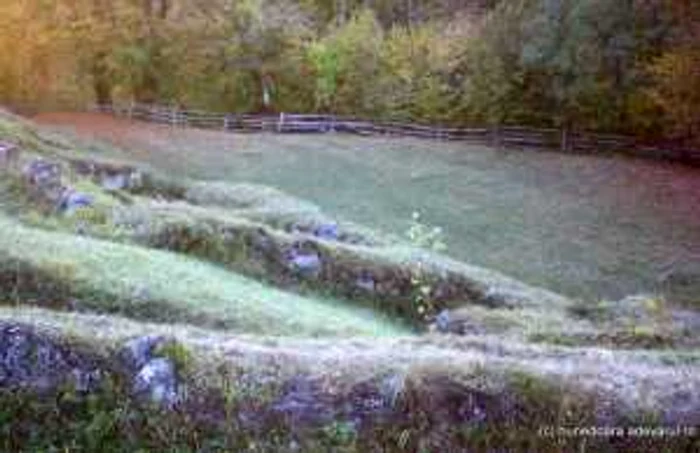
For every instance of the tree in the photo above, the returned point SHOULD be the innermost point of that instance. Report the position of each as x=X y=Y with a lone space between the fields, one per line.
x=675 y=76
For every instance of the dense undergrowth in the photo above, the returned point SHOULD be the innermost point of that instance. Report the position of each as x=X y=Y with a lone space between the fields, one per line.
x=109 y=422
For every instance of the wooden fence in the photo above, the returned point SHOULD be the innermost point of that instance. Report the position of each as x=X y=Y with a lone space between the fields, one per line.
x=504 y=136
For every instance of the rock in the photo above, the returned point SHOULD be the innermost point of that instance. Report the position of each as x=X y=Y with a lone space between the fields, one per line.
x=138 y=352
x=42 y=173
x=366 y=283
x=157 y=380
x=304 y=262
x=301 y=403
x=295 y=228
x=72 y=201
x=369 y=401
x=114 y=182
x=443 y=321
x=31 y=361
x=306 y=402
x=261 y=243
x=136 y=179
x=391 y=388
x=44 y=181
x=9 y=155
x=447 y=401
x=154 y=378
x=76 y=305
x=85 y=381
x=327 y=231
x=110 y=176
x=82 y=167
x=493 y=297
x=686 y=320
x=460 y=322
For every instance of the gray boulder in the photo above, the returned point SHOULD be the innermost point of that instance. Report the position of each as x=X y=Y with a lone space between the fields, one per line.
x=154 y=378
x=72 y=201
x=9 y=155
x=461 y=322
x=157 y=380
x=443 y=321
x=42 y=173
x=366 y=283
x=43 y=180
x=36 y=362
x=303 y=403
x=114 y=182
x=138 y=352
x=327 y=231
x=307 y=263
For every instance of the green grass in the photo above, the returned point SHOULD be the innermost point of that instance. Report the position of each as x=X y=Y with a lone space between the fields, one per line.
x=242 y=210
x=586 y=226
x=123 y=275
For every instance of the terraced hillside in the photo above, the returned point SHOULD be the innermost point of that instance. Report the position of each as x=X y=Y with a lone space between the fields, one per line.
x=588 y=226
x=143 y=311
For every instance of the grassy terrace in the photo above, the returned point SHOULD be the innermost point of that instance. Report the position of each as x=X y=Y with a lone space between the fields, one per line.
x=129 y=279
x=177 y=257
x=585 y=226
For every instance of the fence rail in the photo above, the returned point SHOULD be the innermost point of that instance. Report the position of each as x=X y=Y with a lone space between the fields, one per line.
x=506 y=136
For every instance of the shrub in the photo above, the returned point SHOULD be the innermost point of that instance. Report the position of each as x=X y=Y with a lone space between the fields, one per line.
x=430 y=238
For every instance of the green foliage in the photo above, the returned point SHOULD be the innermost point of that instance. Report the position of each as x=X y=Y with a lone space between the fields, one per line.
x=325 y=64
x=345 y=60
x=108 y=421
x=180 y=356
x=341 y=436
x=424 y=235
x=430 y=238
x=615 y=66
x=677 y=90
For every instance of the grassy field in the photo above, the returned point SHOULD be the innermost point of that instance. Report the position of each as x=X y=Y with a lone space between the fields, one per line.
x=196 y=253
x=586 y=226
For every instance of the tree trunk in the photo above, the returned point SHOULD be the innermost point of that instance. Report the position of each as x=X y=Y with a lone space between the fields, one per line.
x=341 y=11
x=100 y=80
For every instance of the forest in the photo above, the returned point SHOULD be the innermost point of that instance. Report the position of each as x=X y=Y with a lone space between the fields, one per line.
x=626 y=66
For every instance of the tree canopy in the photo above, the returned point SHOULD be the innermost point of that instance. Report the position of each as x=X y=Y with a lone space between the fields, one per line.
x=608 y=65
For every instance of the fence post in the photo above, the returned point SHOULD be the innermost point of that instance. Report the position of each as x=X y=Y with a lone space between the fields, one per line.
x=280 y=123
x=565 y=142
x=496 y=136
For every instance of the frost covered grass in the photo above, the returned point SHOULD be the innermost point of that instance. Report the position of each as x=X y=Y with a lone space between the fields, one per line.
x=176 y=257
x=585 y=226
x=517 y=388
x=129 y=279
